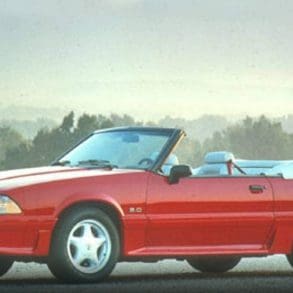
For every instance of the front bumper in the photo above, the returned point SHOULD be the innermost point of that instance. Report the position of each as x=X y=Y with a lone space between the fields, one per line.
x=25 y=236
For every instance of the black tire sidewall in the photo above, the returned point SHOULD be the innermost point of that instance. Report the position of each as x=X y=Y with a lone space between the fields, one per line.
x=290 y=259
x=217 y=264
x=5 y=265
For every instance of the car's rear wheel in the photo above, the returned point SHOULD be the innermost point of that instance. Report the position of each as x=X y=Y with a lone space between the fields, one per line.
x=85 y=246
x=5 y=265
x=214 y=264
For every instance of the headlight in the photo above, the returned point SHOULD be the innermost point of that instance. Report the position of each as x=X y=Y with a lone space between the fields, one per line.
x=8 y=206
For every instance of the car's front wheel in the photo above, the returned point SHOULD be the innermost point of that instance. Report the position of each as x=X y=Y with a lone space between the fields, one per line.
x=214 y=264
x=85 y=246
x=290 y=259
x=5 y=265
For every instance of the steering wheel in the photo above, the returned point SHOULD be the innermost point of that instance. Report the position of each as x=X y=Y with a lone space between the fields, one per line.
x=148 y=161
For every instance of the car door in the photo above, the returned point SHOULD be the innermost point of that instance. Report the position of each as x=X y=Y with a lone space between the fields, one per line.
x=203 y=214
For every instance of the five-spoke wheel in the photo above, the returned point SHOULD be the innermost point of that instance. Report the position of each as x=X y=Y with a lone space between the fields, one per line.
x=89 y=246
x=85 y=246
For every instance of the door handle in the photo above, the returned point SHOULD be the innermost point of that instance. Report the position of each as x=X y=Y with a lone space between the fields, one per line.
x=257 y=188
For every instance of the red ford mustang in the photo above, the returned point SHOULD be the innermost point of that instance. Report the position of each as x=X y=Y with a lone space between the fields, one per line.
x=121 y=195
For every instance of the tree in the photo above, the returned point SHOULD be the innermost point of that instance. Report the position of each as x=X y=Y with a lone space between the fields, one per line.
x=85 y=125
x=18 y=156
x=253 y=139
x=44 y=148
x=48 y=144
x=68 y=122
x=249 y=139
x=8 y=138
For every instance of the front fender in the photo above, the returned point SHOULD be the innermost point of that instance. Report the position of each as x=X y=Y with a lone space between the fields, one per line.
x=76 y=199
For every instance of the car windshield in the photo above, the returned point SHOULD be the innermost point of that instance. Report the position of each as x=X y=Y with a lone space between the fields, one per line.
x=132 y=149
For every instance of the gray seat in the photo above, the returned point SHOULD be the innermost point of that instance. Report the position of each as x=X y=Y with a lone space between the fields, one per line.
x=285 y=170
x=216 y=163
x=171 y=161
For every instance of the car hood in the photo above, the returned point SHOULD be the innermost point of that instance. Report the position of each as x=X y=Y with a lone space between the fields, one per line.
x=31 y=176
x=11 y=174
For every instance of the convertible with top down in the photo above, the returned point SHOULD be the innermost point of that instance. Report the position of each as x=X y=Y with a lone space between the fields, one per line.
x=122 y=194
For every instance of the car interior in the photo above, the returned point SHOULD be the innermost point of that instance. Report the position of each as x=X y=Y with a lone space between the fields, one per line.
x=223 y=163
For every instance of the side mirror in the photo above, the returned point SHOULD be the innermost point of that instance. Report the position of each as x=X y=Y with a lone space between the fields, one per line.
x=177 y=172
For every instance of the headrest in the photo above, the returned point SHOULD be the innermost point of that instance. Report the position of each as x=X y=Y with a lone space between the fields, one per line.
x=154 y=155
x=171 y=160
x=218 y=157
x=286 y=170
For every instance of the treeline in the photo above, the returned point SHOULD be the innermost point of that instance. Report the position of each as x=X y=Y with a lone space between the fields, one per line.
x=49 y=143
x=28 y=128
x=259 y=138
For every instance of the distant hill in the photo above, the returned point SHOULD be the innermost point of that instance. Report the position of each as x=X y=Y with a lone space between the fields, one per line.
x=200 y=128
x=29 y=119
x=14 y=112
x=29 y=128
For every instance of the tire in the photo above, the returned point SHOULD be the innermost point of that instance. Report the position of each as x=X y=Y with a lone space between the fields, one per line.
x=85 y=246
x=214 y=264
x=290 y=259
x=5 y=265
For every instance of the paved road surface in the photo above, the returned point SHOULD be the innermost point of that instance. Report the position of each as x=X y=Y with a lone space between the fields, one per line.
x=271 y=274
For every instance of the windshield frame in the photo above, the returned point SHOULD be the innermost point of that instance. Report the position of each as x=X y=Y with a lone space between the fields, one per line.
x=174 y=135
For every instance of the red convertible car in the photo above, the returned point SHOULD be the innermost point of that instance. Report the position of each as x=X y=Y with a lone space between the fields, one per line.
x=122 y=195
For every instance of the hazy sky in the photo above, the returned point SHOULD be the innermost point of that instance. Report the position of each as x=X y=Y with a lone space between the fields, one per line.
x=148 y=58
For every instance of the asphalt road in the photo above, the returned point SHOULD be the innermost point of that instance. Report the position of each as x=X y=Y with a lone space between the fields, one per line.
x=271 y=274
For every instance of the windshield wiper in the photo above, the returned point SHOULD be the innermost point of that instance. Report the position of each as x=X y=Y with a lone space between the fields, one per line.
x=61 y=163
x=98 y=163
